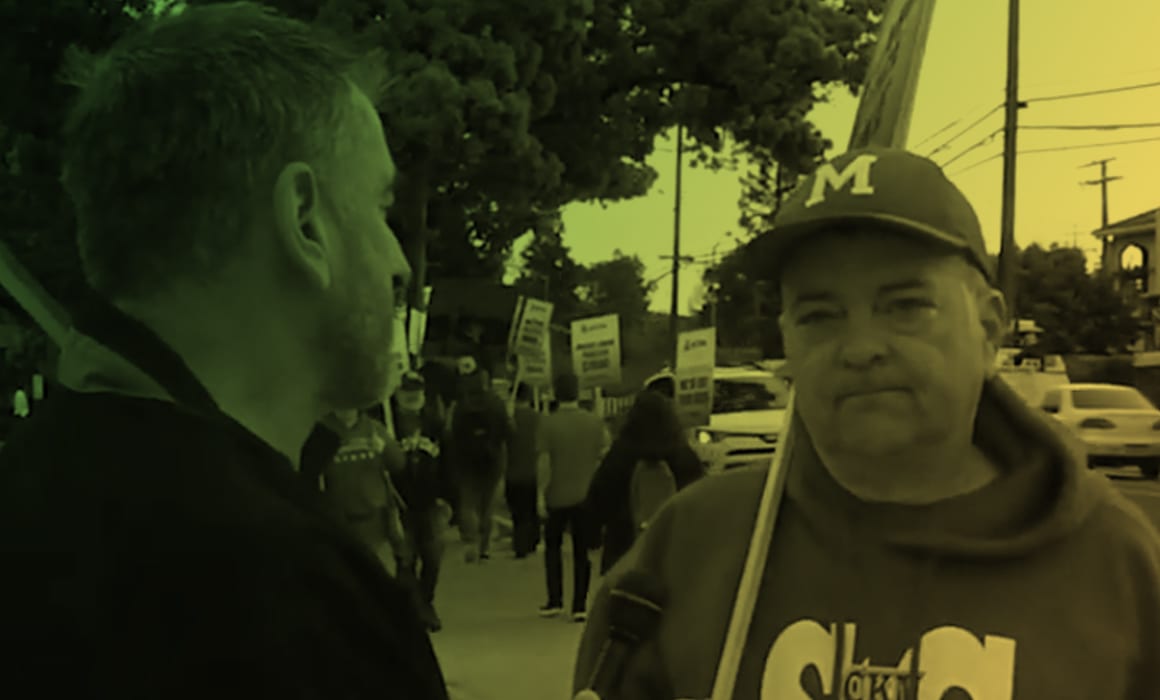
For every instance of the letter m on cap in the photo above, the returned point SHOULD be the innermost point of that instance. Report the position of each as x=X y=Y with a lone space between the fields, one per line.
x=857 y=172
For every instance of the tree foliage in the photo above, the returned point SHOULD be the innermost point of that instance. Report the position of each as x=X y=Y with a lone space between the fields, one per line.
x=502 y=111
x=38 y=224
x=1078 y=311
x=617 y=286
x=746 y=301
x=548 y=272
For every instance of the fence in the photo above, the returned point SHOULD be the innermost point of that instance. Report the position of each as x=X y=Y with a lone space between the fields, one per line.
x=616 y=406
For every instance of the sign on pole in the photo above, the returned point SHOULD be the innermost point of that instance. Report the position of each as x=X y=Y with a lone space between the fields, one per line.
x=417 y=333
x=537 y=371
x=531 y=328
x=887 y=102
x=596 y=350
x=400 y=358
x=530 y=341
x=693 y=385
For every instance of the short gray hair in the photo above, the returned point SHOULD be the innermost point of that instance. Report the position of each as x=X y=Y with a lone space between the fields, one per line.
x=179 y=127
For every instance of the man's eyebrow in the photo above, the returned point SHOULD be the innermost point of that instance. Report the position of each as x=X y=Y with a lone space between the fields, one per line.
x=809 y=297
x=906 y=285
x=822 y=297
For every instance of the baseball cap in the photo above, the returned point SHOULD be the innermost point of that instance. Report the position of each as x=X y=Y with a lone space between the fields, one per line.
x=890 y=188
x=412 y=381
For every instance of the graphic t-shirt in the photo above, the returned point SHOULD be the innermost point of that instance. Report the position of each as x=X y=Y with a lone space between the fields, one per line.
x=1045 y=584
x=357 y=481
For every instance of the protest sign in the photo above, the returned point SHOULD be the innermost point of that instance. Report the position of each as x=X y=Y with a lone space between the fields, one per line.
x=693 y=385
x=596 y=350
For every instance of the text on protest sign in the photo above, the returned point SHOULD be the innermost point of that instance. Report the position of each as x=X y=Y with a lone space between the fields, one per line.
x=596 y=350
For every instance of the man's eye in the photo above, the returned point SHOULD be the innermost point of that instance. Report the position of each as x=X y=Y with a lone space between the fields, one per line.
x=813 y=317
x=910 y=304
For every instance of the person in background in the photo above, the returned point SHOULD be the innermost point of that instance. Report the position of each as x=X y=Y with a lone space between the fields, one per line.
x=420 y=482
x=359 y=486
x=571 y=442
x=481 y=433
x=520 y=480
x=652 y=431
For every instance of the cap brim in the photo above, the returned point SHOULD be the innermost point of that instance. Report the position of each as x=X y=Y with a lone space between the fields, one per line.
x=785 y=238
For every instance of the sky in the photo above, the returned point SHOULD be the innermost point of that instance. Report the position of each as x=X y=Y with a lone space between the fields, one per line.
x=1067 y=46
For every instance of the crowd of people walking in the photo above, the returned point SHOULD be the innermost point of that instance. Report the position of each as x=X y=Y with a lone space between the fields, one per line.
x=558 y=469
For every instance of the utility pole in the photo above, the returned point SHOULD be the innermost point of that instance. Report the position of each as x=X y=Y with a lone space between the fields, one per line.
x=1007 y=249
x=1103 y=183
x=674 y=312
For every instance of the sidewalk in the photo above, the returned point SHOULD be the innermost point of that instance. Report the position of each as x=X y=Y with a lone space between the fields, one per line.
x=494 y=645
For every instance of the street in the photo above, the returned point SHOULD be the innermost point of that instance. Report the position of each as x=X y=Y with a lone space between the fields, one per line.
x=495 y=647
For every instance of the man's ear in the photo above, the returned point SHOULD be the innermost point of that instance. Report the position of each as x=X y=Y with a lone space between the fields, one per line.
x=786 y=346
x=298 y=229
x=993 y=315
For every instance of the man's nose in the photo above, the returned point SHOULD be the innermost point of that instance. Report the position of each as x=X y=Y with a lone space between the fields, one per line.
x=863 y=344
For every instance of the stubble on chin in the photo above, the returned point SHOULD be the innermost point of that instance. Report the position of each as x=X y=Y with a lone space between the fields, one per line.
x=354 y=349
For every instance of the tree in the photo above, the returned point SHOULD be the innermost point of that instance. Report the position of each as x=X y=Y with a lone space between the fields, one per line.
x=550 y=273
x=747 y=300
x=502 y=109
x=1078 y=311
x=492 y=96
x=617 y=286
x=38 y=221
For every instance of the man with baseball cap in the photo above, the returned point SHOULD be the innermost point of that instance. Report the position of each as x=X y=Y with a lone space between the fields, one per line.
x=937 y=537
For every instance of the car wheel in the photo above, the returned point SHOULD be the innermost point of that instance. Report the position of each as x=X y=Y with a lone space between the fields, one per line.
x=1150 y=469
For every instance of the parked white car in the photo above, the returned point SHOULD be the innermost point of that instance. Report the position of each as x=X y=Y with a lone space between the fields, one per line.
x=748 y=414
x=1117 y=424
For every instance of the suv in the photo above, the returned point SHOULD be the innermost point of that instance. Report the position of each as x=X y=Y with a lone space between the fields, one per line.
x=748 y=413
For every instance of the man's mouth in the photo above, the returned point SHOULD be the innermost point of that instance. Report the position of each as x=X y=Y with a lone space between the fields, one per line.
x=864 y=393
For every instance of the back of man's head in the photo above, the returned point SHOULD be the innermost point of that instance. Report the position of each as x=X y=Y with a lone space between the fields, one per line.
x=567 y=387
x=179 y=131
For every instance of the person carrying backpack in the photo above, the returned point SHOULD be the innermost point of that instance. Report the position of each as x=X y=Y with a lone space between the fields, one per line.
x=649 y=461
x=481 y=432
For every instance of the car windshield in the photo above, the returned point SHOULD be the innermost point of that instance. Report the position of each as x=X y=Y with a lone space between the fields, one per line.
x=1108 y=398
x=736 y=396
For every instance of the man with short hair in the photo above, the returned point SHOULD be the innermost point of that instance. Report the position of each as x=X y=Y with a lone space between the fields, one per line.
x=230 y=177
x=937 y=536
x=571 y=443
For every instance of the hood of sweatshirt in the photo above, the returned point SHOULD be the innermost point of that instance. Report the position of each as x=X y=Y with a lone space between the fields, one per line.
x=1044 y=491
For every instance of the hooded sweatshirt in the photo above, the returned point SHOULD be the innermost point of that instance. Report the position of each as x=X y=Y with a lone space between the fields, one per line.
x=1044 y=584
x=152 y=549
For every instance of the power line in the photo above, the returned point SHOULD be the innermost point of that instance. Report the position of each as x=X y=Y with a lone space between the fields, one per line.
x=978 y=144
x=1059 y=148
x=946 y=127
x=968 y=128
x=1092 y=127
x=1091 y=93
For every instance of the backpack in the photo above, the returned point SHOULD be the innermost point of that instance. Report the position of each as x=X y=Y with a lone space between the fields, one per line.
x=476 y=428
x=651 y=485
